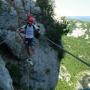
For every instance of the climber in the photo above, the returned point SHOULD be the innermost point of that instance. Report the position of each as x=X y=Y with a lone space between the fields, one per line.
x=30 y=29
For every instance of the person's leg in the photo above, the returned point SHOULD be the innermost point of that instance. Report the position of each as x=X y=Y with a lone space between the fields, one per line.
x=27 y=47
x=29 y=59
x=31 y=48
x=30 y=51
x=27 y=50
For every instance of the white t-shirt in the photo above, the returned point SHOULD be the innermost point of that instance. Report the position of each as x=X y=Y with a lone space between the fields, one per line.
x=29 y=32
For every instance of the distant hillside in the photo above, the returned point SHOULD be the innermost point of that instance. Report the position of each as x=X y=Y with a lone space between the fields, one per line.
x=82 y=18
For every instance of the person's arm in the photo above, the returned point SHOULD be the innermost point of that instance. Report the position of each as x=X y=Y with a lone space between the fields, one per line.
x=21 y=32
x=22 y=29
x=37 y=28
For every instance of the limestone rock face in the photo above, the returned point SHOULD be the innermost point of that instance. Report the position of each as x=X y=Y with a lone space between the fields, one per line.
x=44 y=59
x=45 y=67
x=5 y=79
x=45 y=74
x=16 y=44
x=84 y=81
x=8 y=17
x=15 y=12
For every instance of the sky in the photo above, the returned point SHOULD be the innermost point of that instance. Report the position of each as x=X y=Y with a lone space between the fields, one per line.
x=72 y=7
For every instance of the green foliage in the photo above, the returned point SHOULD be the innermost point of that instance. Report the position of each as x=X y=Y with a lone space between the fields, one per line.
x=54 y=29
x=46 y=7
x=88 y=25
x=79 y=47
x=54 y=33
x=71 y=25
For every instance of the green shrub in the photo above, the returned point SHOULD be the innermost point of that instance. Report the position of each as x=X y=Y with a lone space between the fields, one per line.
x=54 y=29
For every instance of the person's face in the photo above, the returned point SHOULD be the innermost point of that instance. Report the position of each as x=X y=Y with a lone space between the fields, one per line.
x=30 y=23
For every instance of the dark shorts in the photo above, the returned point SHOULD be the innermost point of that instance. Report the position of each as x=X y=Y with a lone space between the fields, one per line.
x=29 y=41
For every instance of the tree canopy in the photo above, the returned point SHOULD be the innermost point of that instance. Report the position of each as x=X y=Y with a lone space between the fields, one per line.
x=46 y=7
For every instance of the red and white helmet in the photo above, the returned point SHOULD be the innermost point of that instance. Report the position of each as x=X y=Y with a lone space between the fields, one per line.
x=30 y=19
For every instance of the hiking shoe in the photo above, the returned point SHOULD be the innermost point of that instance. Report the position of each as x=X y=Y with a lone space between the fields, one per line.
x=29 y=60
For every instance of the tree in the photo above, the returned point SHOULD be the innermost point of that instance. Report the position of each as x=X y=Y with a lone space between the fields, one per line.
x=54 y=28
x=46 y=7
